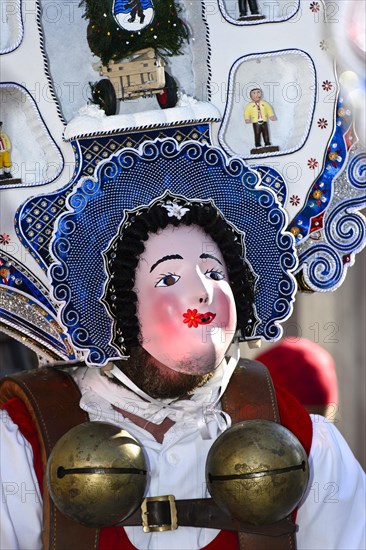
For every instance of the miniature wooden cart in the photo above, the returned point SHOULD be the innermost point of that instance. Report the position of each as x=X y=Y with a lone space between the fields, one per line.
x=143 y=74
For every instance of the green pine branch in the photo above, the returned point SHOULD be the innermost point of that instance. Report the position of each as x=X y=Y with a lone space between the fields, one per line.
x=166 y=33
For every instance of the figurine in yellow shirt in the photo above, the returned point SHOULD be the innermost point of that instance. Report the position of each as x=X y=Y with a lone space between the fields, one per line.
x=5 y=162
x=258 y=112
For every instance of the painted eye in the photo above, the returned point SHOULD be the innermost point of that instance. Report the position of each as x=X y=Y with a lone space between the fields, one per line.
x=168 y=280
x=214 y=274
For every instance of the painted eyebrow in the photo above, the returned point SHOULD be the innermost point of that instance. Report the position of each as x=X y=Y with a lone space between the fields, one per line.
x=164 y=258
x=204 y=256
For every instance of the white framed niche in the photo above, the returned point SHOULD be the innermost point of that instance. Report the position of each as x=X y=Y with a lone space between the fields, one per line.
x=287 y=79
x=11 y=26
x=35 y=157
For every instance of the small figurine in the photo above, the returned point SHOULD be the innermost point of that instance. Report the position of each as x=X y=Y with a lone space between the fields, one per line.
x=5 y=162
x=258 y=112
x=254 y=10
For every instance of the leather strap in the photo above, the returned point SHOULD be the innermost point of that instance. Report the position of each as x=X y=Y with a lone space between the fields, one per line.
x=250 y=395
x=205 y=512
x=52 y=399
x=248 y=541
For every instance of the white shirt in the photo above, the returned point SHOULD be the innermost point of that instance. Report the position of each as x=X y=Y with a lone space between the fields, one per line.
x=331 y=516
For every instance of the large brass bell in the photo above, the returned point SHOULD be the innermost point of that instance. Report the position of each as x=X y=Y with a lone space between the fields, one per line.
x=257 y=471
x=97 y=474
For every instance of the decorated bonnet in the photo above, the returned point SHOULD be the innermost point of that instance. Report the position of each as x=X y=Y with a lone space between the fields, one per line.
x=172 y=179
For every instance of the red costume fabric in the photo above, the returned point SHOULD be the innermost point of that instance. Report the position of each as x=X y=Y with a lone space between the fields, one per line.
x=293 y=417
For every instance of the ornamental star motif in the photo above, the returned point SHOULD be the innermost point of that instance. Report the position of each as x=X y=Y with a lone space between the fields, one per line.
x=327 y=85
x=312 y=163
x=322 y=123
x=4 y=239
x=294 y=200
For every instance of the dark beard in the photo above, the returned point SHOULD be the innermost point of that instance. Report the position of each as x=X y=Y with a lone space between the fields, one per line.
x=156 y=379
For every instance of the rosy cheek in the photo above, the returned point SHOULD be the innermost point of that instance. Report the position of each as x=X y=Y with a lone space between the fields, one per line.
x=167 y=310
x=224 y=308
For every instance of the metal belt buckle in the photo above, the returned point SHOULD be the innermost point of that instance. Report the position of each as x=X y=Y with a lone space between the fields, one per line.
x=147 y=527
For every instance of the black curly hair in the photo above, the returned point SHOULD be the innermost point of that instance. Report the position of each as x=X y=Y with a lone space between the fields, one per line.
x=123 y=256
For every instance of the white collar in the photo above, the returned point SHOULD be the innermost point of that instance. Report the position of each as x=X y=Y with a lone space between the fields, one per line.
x=202 y=407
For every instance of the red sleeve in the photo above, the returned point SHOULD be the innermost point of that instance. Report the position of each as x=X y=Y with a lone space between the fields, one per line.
x=294 y=417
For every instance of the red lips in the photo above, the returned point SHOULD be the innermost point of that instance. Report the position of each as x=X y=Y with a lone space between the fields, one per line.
x=193 y=318
x=207 y=318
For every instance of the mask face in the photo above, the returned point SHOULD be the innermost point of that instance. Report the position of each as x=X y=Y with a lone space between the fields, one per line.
x=186 y=307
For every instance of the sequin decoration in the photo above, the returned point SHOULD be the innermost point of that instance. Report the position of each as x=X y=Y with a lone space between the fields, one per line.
x=325 y=263
x=320 y=194
x=31 y=320
x=26 y=308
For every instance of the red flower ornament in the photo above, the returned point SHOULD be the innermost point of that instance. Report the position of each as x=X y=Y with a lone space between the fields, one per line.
x=294 y=200
x=312 y=163
x=4 y=239
x=192 y=318
x=314 y=7
x=327 y=85
x=322 y=123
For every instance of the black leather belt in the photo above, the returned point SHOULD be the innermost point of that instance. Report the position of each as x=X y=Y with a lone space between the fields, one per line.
x=165 y=513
